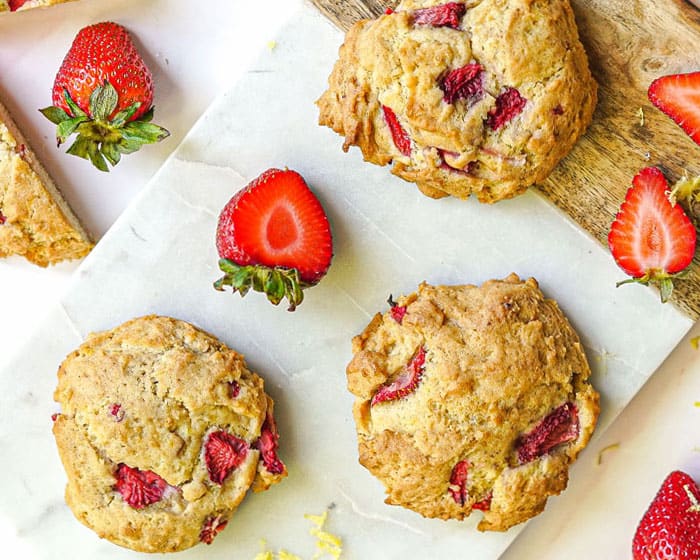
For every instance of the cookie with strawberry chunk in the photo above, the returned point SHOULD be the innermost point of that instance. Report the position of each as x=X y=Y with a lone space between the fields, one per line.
x=478 y=97
x=472 y=398
x=18 y=5
x=162 y=432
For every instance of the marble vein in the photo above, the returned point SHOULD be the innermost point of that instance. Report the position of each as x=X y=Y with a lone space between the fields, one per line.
x=376 y=517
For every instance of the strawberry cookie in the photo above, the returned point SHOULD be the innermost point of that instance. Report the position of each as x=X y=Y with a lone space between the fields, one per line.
x=163 y=430
x=472 y=398
x=480 y=97
x=17 y=5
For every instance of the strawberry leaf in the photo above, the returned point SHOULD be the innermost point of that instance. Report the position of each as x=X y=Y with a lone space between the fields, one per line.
x=77 y=111
x=96 y=157
x=103 y=101
x=111 y=152
x=55 y=114
x=68 y=127
x=122 y=117
x=144 y=132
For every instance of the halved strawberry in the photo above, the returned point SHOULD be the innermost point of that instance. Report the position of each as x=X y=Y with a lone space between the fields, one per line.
x=139 y=488
x=273 y=236
x=405 y=383
x=558 y=427
x=670 y=528
x=678 y=96
x=223 y=452
x=651 y=239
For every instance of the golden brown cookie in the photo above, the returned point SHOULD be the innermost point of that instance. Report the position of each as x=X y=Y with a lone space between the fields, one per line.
x=35 y=220
x=480 y=97
x=18 y=5
x=162 y=431
x=472 y=398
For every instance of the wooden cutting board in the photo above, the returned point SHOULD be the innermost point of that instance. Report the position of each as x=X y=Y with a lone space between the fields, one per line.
x=629 y=43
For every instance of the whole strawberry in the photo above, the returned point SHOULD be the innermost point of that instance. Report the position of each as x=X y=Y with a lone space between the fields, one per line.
x=651 y=239
x=273 y=236
x=670 y=529
x=103 y=92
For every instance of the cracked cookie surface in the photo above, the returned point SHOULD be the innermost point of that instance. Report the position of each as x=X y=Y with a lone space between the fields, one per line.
x=162 y=431
x=478 y=97
x=472 y=398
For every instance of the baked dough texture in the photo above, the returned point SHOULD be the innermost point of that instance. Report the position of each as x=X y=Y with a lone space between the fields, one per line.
x=485 y=100
x=141 y=405
x=496 y=409
x=35 y=220
x=5 y=5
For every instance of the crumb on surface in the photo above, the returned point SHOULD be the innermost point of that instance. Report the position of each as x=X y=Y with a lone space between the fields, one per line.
x=271 y=45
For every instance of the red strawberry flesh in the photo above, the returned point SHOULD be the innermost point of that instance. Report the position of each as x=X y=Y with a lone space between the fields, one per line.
x=276 y=221
x=212 y=527
x=234 y=389
x=558 y=427
x=16 y=4
x=485 y=504
x=509 y=104
x=444 y=15
x=401 y=139
x=649 y=233
x=99 y=53
x=268 y=444
x=405 y=383
x=398 y=312
x=679 y=97
x=463 y=83
x=458 y=482
x=223 y=453
x=670 y=528
x=139 y=488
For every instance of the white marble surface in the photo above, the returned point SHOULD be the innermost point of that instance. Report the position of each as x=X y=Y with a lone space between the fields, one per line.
x=387 y=240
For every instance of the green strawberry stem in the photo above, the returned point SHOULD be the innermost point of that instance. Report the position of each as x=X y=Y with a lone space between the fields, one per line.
x=277 y=283
x=655 y=277
x=100 y=139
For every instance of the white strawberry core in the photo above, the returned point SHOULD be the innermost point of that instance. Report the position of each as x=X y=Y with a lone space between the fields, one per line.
x=281 y=229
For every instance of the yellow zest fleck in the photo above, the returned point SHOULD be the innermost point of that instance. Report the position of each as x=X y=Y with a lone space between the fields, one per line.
x=284 y=555
x=610 y=447
x=271 y=45
x=695 y=342
x=686 y=189
x=697 y=404
x=640 y=113
x=326 y=542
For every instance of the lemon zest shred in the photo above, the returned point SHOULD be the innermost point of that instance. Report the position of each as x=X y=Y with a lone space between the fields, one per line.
x=640 y=114
x=271 y=45
x=695 y=342
x=610 y=447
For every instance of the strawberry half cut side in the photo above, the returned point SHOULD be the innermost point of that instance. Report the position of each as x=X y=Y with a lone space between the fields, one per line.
x=558 y=427
x=651 y=239
x=139 y=488
x=678 y=96
x=405 y=383
x=103 y=92
x=670 y=528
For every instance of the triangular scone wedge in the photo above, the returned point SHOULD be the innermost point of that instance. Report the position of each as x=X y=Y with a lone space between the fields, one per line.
x=35 y=220
x=6 y=7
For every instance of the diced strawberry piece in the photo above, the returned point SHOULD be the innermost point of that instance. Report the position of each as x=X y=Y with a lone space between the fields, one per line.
x=16 y=4
x=268 y=444
x=234 y=389
x=223 y=453
x=509 y=105
x=401 y=139
x=463 y=83
x=389 y=11
x=485 y=504
x=139 y=488
x=679 y=97
x=405 y=383
x=651 y=239
x=54 y=416
x=117 y=411
x=670 y=528
x=458 y=482
x=445 y=155
x=558 y=427
x=398 y=312
x=3 y=218
x=212 y=527
x=444 y=15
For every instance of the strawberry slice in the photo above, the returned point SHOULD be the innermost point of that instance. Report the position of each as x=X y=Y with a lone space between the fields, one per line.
x=273 y=236
x=651 y=239
x=458 y=482
x=268 y=444
x=558 y=427
x=444 y=15
x=463 y=83
x=670 y=528
x=139 y=488
x=405 y=383
x=212 y=527
x=223 y=452
x=509 y=104
x=678 y=96
x=400 y=137
x=16 y=4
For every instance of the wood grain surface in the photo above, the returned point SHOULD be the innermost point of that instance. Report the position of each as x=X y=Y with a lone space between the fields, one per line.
x=629 y=44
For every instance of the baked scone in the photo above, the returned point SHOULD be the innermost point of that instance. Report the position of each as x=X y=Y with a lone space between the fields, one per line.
x=35 y=220
x=17 y=5
x=480 y=97
x=162 y=431
x=472 y=398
